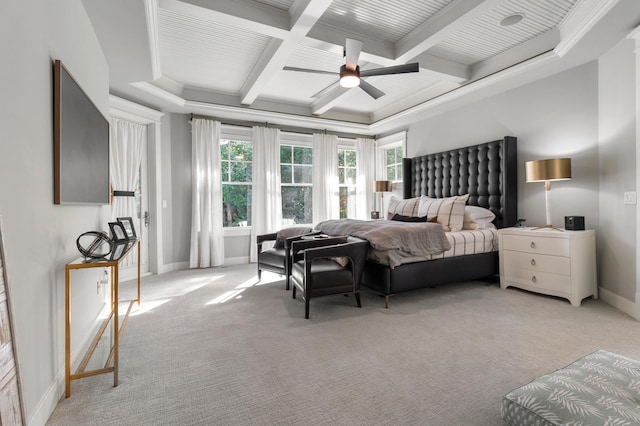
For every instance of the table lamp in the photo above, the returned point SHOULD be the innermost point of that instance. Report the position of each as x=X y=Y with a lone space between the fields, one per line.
x=546 y=171
x=382 y=186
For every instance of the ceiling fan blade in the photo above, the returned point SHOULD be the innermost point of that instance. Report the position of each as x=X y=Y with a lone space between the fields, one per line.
x=326 y=90
x=372 y=91
x=309 y=70
x=397 y=69
x=352 y=51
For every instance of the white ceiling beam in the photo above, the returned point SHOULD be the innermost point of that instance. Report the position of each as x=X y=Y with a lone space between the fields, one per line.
x=305 y=15
x=442 y=69
x=445 y=22
x=151 y=13
x=582 y=18
x=328 y=101
x=250 y=16
x=545 y=42
x=329 y=38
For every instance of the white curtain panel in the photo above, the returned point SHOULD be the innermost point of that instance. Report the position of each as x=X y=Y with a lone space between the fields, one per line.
x=127 y=140
x=266 y=198
x=207 y=241
x=366 y=172
x=325 y=177
x=125 y=150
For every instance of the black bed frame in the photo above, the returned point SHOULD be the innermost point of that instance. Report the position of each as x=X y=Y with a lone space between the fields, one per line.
x=488 y=173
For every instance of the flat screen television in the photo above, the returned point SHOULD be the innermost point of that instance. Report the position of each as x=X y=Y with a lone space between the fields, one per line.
x=81 y=144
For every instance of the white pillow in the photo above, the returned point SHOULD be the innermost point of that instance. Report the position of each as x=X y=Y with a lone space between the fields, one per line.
x=475 y=226
x=450 y=210
x=478 y=214
x=406 y=207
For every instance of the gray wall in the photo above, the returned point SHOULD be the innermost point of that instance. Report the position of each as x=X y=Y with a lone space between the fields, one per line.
x=39 y=236
x=176 y=135
x=617 y=147
x=560 y=116
x=176 y=171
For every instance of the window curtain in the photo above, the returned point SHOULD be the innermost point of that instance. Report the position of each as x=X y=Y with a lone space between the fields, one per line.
x=366 y=172
x=266 y=198
x=125 y=150
x=207 y=242
x=325 y=177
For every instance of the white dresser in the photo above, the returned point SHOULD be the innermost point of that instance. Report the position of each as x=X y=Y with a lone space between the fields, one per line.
x=549 y=261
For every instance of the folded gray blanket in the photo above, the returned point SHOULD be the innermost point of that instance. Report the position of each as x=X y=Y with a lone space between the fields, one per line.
x=397 y=239
x=285 y=233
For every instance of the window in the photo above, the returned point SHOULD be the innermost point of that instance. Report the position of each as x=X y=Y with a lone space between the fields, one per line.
x=236 y=158
x=296 y=175
x=390 y=150
x=393 y=163
x=347 y=173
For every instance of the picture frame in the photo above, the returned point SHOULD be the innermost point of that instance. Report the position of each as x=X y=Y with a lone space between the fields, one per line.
x=129 y=227
x=118 y=232
x=118 y=250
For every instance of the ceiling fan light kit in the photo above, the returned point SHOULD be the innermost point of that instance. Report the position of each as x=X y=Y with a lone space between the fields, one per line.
x=348 y=77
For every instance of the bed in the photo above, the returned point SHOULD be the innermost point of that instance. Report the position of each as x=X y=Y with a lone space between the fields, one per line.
x=488 y=173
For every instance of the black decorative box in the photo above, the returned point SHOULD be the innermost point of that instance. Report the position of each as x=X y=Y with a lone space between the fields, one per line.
x=574 y=223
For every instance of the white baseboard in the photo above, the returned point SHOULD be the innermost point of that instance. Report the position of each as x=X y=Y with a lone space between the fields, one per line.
x=177 y=266
x=628 y=307
x=170 y=267
x=56 y=389
x=236 y=260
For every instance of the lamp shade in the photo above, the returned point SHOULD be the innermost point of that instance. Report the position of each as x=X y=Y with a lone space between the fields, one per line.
x=545 y=170
x=382 y=186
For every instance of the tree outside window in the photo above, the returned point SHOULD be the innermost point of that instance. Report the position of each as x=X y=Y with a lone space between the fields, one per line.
x=393 y=162
x=347 y=173
x=236 y=164
x=296 y=176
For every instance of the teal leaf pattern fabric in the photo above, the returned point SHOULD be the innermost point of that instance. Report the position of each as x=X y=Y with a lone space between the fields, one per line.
x=601 y=388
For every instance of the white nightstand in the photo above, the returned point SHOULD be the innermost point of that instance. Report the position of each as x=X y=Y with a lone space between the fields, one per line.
x=549 y=261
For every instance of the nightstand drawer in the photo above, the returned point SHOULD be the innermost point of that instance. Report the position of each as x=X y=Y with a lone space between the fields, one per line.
x=538 y=280
x=535 y=244
x=537 y=262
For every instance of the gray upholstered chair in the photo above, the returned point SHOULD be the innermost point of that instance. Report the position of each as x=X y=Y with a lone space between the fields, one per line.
x=322 y=267
x=278 y=259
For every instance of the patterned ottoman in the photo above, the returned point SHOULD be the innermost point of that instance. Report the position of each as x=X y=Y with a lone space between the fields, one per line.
x=601 y=388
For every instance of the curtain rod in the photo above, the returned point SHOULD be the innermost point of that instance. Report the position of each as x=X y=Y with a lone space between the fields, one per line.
x=292 y=129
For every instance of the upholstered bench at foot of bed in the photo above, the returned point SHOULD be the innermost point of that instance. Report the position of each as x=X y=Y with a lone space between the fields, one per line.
x=601 y=388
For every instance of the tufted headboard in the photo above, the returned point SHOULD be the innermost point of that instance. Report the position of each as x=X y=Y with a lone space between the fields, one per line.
x=487 y=172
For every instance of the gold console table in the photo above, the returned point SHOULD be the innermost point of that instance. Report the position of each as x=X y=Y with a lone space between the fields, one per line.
x=111 y=365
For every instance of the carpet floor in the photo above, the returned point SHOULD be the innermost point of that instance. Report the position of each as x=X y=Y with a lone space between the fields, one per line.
x=214 y=347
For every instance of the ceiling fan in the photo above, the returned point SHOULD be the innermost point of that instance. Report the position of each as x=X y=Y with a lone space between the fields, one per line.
x=350 y=74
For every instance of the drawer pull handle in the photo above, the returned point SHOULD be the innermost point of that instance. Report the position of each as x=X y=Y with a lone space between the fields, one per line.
x=534 y=279
x=533 y=262
x=533 y=244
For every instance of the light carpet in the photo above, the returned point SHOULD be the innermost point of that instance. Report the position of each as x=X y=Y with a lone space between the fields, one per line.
x=210 y=347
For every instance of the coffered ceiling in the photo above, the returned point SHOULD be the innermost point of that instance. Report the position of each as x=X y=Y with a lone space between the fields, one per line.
x=227 y=56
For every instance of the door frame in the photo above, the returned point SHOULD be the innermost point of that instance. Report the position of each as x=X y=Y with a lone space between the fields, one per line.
x=130 y=111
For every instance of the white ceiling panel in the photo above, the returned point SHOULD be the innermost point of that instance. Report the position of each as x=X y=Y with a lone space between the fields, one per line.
x=207 y=54
x=383 y=19
x=231 y=53
x=485 y=37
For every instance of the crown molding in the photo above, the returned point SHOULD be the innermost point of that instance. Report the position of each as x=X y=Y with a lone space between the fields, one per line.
x=131 y=111
x=158 y=92
x=248 y=114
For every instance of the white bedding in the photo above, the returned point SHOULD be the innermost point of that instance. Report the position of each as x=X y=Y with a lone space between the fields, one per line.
x=462 y=243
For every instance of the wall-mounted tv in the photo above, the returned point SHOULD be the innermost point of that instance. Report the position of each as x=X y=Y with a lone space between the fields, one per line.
x=81 y=144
